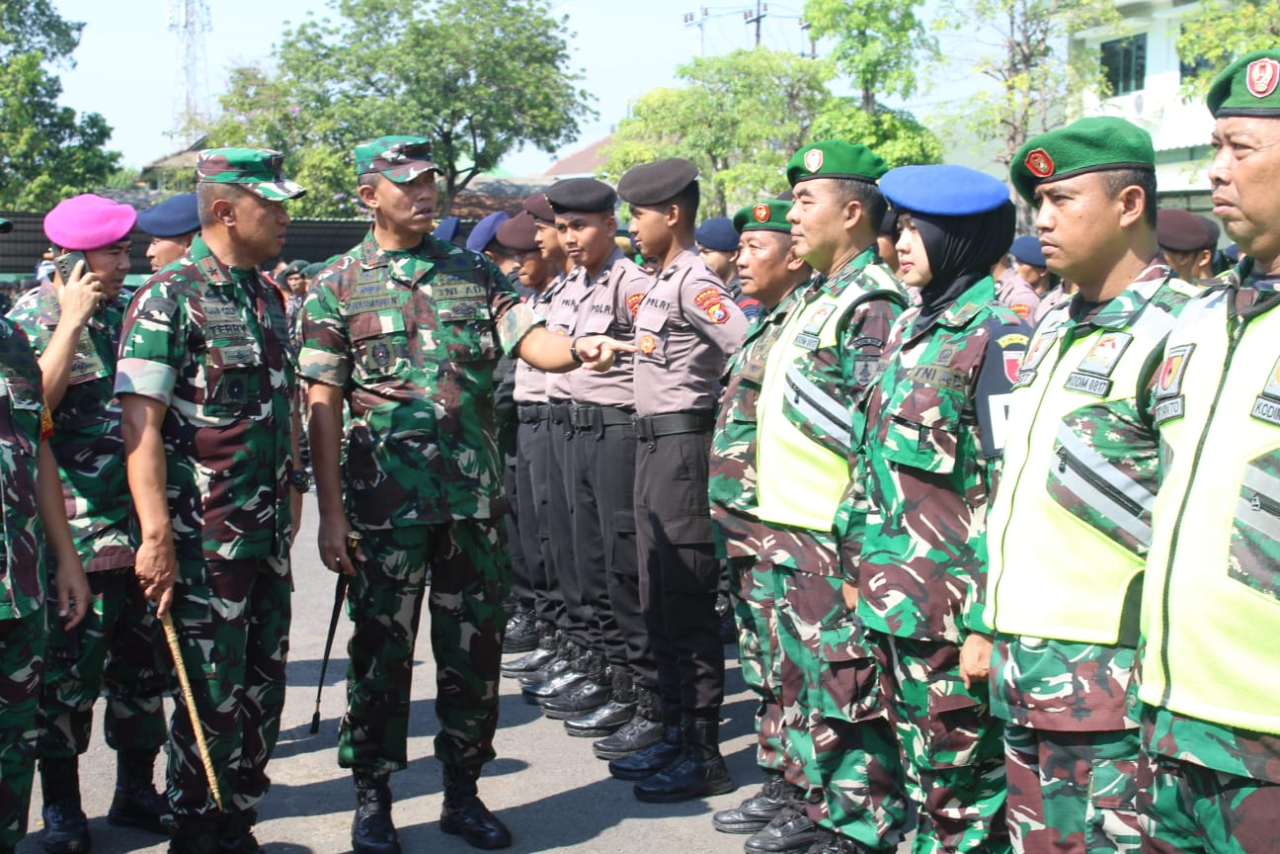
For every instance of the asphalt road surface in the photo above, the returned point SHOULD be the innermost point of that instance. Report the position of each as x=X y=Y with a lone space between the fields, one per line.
x=549 y=788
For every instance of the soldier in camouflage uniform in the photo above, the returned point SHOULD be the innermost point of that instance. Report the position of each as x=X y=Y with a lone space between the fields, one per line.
x=74 y=329
x=1070 y=526
x=33 y=515
x=770 y=274
x=407 y=331
x=210 y=436
x=935 y=430
x=1209 y=780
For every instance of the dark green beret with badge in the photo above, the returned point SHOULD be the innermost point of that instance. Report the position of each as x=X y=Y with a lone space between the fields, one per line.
x=1248 y=87
x=769 y=215
x=835 y=158
x=1096 y=144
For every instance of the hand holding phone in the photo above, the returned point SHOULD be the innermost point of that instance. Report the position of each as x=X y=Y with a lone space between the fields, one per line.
x=82 y=293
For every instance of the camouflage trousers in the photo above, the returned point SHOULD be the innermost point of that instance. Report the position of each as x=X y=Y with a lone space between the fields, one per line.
x=844 y=739
x=952 y=748
x=1072 y=792
x=470 y=580
x=232 y=618
x=21 y=665
x=1185 y=807
x=752 y=587
x=117 y=646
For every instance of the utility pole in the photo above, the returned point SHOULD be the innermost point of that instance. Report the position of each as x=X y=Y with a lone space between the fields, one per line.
x=698 y=19
x=189 y=20
x=813 y=45
x=762 y=10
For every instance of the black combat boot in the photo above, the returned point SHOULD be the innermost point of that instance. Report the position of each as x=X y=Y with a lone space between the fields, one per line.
x=136 y=802
x=790 y=830
x=643 y=764
x=586 y=696
x=699 y=772
x=522 y=632
x=568 y=679
x=237 y=833
x=835 y=843
x=371 y=829
x=610 y=717
x=548 y=640
x=66 y=828
x=759 y=809
x=643 y=730
x=196 y=834
x=465 y=815
x=566 y=652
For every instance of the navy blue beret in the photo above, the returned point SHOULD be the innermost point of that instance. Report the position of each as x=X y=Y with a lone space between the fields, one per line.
x=174 y=217
x=447 y=229
x=717 y=234
x=486 y=231
x=943 y=190
x=1027 y=250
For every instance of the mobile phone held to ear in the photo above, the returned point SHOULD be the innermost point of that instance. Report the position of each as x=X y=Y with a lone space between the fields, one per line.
x=66 y=264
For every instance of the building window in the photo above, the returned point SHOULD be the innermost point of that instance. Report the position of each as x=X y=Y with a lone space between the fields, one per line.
x=1124 y=62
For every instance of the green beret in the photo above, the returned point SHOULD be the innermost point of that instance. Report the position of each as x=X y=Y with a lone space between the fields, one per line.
x=1096 y=144
x=835 y=158
x=770 y=215
x=1247 y=87
x=255 y=169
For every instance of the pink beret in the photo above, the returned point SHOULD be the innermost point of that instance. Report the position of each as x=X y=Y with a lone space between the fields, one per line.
x=88 y=222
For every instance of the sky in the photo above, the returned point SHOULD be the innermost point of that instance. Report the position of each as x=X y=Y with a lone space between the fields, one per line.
x=128 y=66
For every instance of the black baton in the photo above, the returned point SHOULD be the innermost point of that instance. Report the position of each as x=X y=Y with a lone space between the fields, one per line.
x=339 y=594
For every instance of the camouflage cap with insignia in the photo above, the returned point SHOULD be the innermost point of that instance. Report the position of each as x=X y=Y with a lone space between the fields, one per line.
x=1248 y=87
x=396 y=158
x=255 y=169
x=769 y=215
x=835 y=158
x=1095 y=144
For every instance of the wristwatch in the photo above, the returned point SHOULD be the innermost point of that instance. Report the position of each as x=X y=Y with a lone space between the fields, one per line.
x=573 y=351
x=300 y=480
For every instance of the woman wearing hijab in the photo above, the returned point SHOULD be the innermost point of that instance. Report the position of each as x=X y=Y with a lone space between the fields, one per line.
x=934 y=435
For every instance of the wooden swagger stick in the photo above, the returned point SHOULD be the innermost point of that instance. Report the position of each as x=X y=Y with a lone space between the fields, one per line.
x=171 y=634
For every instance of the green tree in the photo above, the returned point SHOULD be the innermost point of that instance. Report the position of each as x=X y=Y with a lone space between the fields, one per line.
x=477 y=77
x=739 y=117
x=1218 y=32
x=47 y=152
x=893 y=134
x=878 y=45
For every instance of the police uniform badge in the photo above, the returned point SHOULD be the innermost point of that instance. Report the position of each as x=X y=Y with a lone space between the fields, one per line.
x=1170 y=402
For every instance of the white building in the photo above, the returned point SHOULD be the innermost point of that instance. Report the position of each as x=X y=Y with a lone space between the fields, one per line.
x=1146 y=76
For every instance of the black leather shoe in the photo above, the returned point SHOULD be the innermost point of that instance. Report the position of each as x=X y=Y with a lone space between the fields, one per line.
x=562 y=683
x=586 y=697
x=237 y=833
x=371 y=829
x=66 y=830
x=645 y=763
x=606 y=720
x=790 y=830
x=698 y=773
x=535 y=660
x=522 y=633
x=141 y=807
x=759 y=809
x=638 y=734
x=465 y=815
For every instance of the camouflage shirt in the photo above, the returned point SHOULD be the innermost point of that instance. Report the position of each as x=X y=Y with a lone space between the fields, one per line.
x=86 y=429
x=209 y=342
x=1068 y=685
x=412 y=337
x=935 y=430
x=22 y=577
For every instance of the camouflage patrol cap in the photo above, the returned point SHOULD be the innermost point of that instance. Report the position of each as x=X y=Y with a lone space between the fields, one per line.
x=255 y=169
x=835 y=158
x=396 y=158
x=1248 y=87
x=769 y=215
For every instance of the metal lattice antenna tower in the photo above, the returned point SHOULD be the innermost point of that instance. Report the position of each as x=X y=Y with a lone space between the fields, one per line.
x=189 y=20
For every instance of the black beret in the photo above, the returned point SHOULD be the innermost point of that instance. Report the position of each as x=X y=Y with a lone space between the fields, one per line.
x=174 y=217
x=717 y=234
x=1181 y=231
x=540 y=208
x=519 y=232
x=584 y=195
x=657 y=183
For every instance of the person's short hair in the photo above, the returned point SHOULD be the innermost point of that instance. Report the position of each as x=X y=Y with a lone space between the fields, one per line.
x=370 y=179
x=1117 y=179
x=208 y=192
x=867 y=194
x=688 y=200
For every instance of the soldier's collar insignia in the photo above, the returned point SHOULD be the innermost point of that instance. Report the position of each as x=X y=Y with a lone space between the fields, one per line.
x=1039 y=163
x=1262 y=76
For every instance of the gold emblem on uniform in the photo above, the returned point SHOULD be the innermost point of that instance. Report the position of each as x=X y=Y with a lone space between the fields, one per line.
x=1261 y=77
x=648 y=344
x=813 y=159
x=1039 y=163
